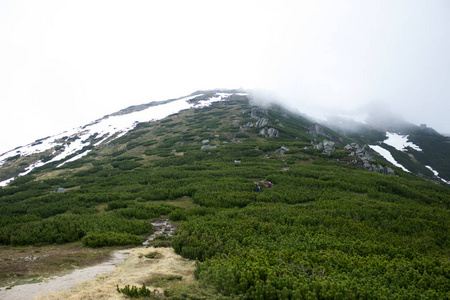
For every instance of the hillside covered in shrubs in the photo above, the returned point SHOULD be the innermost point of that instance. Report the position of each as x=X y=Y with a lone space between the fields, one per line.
x=326 y=229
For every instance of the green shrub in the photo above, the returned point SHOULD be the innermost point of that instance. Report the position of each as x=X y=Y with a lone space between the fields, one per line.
x=135 y=292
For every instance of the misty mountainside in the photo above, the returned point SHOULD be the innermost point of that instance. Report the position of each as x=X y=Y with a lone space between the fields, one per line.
x=350 y=213
x=416 y=149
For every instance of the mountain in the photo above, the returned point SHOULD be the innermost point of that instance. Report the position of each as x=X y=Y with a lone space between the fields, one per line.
x=419 y=150
x=352 y=211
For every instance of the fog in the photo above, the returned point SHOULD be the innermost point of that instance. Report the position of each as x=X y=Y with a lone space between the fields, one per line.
x=66 y=63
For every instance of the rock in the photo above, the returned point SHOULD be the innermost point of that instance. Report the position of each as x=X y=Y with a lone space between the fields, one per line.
x=207 y=147
x=258 y=112
x=60 y=190
x=282 y=150
x=316 y=130
x=319 y=146
x=262 y=122
x=205 y=141
x=367 y=166
x=269 y=132
x=237 y=161
x=279 y=123
x=249 y=124
x=328 y=147
x=389 y=171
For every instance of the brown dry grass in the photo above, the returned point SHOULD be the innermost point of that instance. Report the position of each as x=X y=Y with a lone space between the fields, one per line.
x=19 y=264
x=158 y=273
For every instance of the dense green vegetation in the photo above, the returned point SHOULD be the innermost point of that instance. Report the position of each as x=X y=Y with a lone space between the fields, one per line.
x=326 y=229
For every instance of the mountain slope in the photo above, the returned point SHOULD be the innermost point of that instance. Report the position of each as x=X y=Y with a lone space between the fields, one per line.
x=417 y=149
x=326 y=228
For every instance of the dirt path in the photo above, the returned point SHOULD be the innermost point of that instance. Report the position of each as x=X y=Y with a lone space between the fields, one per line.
x=99 y=282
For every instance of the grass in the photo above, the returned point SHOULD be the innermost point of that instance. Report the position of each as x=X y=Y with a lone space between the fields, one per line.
x=21 y=265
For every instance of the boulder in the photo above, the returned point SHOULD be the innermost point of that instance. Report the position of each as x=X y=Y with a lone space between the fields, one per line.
x=328 y=147
x=389 y=171
x=60 y=190
x=269 y=132
x=205 y=141
x=282 y=150
x=319 y=146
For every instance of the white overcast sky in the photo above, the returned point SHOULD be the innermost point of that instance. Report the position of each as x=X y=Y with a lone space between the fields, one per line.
x=66 y=63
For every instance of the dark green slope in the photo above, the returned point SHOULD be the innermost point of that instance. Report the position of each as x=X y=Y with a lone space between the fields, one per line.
x=326 y=229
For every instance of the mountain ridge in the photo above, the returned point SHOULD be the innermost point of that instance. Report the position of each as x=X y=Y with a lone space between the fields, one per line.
x=78 y=142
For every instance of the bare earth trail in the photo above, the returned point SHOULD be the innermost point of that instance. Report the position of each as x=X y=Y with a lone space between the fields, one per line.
x=99 y=282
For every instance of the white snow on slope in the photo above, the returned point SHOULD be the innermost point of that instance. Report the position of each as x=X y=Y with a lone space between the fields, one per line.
x=107 y=129
x=436 y=173
x=400 y=142
x=388 y=156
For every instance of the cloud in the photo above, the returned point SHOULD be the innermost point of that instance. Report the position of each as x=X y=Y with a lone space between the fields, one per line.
x=84 y=59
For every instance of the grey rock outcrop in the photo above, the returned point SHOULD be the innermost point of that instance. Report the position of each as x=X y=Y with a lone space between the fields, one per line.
x=262 y=122
x=362 y=154
x=258 y=112
x=378 y=168
x=269 y=132
x=316 y=130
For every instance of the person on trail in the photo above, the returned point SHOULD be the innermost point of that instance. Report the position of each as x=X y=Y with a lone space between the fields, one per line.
x=257 y=189
x=269 y=184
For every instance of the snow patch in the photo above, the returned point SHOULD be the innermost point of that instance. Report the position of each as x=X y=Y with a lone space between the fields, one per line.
x=107 y=129
x=6 y=182
x=436 y=173
x=388 y=156
x=75 y=158
x=400 y=142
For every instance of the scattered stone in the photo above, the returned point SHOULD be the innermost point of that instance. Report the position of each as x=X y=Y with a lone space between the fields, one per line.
x=205 y=141
x=161 y=227
x=237 y=161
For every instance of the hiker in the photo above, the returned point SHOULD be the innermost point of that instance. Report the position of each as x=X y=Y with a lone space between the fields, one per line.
x=269 y=184
x=257 y=189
